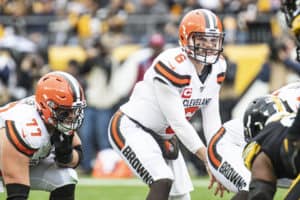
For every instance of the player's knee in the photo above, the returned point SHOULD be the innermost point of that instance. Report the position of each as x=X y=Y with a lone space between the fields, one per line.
x=160 y=189
x=63 y=193
x=262 y=190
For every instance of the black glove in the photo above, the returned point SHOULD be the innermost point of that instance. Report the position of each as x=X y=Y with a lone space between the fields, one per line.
x=63 y=147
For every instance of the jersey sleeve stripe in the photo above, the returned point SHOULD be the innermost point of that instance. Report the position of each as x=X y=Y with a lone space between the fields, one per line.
x=173 y=77
x=221 y=77
x=295 y=186
x=250 y=152
x=115 y=131
x=16 y=140
x=213 y=156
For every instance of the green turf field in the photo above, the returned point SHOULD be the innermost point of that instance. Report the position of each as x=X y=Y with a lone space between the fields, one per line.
x=95 y=189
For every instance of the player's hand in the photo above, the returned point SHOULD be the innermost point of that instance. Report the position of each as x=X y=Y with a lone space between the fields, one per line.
x=220 y=189
x=63 y=148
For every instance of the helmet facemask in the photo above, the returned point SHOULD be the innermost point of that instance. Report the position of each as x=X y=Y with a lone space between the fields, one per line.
x=205 y=47
x=67 y=119
x=258 y=112
x=254 y=124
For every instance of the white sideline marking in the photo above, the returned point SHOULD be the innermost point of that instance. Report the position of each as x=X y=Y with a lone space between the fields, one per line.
x=126 y=182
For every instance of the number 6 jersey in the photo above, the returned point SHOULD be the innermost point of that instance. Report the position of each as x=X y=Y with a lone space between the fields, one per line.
x=189 y=92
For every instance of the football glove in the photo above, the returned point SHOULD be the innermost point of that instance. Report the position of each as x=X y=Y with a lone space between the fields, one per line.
x=63 y=148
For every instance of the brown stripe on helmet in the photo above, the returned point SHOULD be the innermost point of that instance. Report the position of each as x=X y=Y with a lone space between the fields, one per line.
x=214 y=19
x=206 y=19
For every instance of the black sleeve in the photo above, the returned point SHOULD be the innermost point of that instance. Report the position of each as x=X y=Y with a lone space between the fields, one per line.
x=17 y=191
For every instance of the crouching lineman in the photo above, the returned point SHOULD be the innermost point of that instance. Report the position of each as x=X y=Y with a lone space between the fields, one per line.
x=269 y=157
x=226 y=146
x=38 y=141
x=179 y=82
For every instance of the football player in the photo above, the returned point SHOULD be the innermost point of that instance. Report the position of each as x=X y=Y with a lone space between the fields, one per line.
x=269 y=156
x=226 y=146
x=179 y=82
x=276 y=153
x=38 y=141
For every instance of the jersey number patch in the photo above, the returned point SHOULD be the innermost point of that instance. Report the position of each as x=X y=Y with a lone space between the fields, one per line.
x=33 y=124
x=180 y=58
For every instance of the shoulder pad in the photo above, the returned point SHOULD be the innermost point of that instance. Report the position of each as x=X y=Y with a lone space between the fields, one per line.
x=171 y=67
x=171 y=76
x=285 y=118
x=220 y=69
x=17 y=137
x=249 y=153
x=26 y=130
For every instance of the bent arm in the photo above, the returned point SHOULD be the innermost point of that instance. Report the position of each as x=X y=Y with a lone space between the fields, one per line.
x=211 y=119
x=171 y=105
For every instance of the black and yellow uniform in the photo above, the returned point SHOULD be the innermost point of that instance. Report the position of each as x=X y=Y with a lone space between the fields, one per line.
x=272 y=141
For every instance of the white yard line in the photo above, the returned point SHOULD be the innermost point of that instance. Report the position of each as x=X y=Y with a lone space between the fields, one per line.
x=126 y=182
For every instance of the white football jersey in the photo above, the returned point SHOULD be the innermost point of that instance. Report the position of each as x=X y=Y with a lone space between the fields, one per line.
x=225 y=156
x=174 y=68
x=235 y=131
x=25 y=129
x=290 y=94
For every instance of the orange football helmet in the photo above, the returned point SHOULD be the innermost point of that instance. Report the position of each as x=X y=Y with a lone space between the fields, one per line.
x=60 y=101
x=201 y=35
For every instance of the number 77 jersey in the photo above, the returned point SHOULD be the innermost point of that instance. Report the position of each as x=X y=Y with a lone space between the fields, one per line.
x=25 y=129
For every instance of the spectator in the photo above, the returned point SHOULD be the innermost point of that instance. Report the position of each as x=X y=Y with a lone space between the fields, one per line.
x=8 y=78
x=156 y=43
x=32 y=68
x=74 y=68
x=154 y=7
x=98 y=70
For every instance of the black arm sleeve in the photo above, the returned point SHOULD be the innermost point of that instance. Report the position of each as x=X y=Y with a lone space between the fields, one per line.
x=17 y=191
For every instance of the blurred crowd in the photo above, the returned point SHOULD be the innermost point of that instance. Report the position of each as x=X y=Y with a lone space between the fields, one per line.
x=30 y=28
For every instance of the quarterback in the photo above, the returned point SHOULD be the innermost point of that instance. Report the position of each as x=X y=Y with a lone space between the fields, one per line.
x=39 y=146
x=179 y=82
